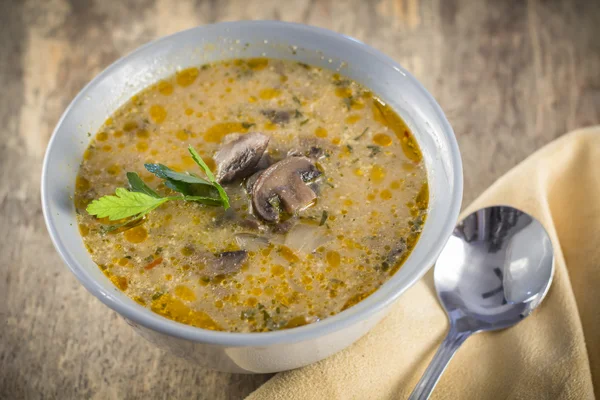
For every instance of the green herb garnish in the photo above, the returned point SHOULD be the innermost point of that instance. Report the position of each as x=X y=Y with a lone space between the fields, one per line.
x=186 y=184
x=348 y=101
x=157 y=295
x=210 y=176
x=124 y=204
x=137 y=185
x=362 y=134
x=133 y=204
x=324 y=217
x=374 y=150
x=166 y=173
x=247 y=314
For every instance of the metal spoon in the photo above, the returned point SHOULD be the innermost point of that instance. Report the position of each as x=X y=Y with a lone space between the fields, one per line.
x=494 y=271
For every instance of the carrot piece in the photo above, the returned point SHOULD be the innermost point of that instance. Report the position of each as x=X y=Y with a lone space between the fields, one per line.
x=154 y=263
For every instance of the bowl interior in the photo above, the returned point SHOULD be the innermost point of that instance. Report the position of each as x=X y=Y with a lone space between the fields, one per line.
x=315 y=46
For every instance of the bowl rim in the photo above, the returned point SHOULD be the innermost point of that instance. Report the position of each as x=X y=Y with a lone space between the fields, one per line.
x=379 y=300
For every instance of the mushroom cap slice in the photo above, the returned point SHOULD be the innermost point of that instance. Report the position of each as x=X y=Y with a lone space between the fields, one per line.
x=284 y=183
x=239 y=158
x=228 y=262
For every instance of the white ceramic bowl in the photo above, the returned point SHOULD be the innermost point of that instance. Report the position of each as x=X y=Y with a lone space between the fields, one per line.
x=252 y=352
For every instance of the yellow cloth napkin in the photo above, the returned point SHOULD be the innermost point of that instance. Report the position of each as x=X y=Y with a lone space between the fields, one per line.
x=552 y=354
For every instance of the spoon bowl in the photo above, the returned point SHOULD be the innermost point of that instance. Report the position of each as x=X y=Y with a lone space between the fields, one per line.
x=495 y=269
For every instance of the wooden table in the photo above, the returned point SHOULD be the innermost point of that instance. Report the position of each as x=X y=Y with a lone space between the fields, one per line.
x=510 y=75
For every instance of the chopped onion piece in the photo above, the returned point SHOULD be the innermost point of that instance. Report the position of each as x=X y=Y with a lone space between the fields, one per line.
x=306 y=238
x=251 y=242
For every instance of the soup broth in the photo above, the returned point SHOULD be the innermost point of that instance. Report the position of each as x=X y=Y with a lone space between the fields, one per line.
x=327 y=187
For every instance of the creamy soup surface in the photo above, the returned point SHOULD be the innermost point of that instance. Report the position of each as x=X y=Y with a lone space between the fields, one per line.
x=266 y=263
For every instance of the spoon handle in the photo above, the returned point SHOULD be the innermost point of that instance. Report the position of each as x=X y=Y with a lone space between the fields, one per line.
x=438 y=364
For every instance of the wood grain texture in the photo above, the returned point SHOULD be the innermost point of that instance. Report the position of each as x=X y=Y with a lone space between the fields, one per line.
x=511 y=76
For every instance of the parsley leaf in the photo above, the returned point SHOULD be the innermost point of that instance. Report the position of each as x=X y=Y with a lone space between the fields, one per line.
x=132 y=205
x=191 y=189
x=137 y=185
x=210 y=176
x=164 y=172
x=124 y=204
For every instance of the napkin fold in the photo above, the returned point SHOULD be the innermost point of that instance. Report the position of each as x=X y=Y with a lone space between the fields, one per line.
x=552 y=354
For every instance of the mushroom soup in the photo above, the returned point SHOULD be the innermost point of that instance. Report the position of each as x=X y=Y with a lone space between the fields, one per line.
x=319 y=194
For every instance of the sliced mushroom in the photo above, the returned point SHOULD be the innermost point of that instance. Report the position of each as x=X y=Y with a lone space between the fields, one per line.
x=228 y=262
x=225 y=217
x=280 y=117
x=239 y=158
x=284 y=227
x=264 y=162
x=316 y=152
x=251 y=181
x=313 y=148
x=251 y=223
x=212 y=265
x=283 y=184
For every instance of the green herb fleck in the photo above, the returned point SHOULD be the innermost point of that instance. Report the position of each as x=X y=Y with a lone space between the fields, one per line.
x=374 y=150
x=303 y=122
x=348 y=102
x=157 y=295
x=362 y=134
x=341 y=82
x=247 y=125
x=324 y=217
x=247 y=314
